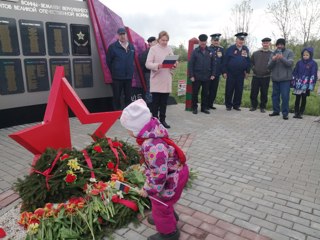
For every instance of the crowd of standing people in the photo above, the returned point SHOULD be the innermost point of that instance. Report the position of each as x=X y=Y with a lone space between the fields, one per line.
x=205 y=67
x=235 y=64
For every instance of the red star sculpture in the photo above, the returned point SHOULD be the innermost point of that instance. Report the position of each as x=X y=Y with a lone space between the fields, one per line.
x=54 y=131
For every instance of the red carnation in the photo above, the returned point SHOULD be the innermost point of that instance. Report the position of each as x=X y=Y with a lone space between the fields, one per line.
x=110 y=165
x=117 y=144
x=97 y=148
x=64 y=156
x=70 y=178
x=2 y=233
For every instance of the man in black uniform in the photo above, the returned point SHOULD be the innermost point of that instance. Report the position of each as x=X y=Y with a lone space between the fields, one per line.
x=142 y=60
x=201 y=71
x=236 y=67
x=218 y=53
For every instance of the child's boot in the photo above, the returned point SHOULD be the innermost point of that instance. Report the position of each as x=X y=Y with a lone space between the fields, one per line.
x=171 y=236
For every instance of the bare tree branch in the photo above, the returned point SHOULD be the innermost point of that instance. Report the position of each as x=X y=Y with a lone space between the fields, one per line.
x=283 y=15
x=308 y=13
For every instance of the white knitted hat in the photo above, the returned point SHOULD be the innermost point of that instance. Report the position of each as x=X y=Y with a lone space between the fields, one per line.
x=135 y=116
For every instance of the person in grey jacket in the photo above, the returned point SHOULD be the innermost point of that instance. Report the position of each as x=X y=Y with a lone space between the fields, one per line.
x=280 y=64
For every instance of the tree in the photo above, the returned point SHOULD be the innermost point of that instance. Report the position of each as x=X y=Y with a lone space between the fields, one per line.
x=283 y=15
x=182 y=52
x=308 y=13
x=241 y=16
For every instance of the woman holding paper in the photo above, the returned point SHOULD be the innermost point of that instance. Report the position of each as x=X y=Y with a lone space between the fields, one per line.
x=161 y=76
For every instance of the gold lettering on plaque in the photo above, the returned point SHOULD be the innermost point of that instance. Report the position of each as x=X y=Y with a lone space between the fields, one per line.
x=58 y=47
x=78 y=75
x=5 y=39
x=32 y=77
x=33 y=38
x=11 y=78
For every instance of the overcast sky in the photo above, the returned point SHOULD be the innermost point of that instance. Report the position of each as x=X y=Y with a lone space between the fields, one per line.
x=184 y=20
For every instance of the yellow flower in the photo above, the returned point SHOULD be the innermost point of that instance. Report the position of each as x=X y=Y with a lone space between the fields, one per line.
x=33 y=228
x=73 y=164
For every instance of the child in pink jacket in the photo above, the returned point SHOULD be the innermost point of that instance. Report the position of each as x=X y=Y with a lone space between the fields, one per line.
x=166 y=171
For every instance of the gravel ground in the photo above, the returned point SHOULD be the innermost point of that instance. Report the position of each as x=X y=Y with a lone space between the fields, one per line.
x=9 y=222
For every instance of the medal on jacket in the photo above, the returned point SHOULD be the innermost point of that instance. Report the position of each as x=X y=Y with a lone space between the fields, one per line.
x=219 y=54
x=244 y=53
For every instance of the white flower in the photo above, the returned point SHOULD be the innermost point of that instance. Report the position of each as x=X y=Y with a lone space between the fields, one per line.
x=93 y=180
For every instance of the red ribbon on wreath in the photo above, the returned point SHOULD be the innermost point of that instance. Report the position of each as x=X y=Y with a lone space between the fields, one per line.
x=127 y=203
x=47 y=172
x=114 y=146
x=89 y=163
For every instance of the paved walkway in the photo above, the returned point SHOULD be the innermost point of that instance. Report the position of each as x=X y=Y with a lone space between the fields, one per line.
x=258 y=177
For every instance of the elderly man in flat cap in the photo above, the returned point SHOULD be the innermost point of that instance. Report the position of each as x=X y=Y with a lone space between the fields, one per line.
x=201 y=71
x=261 y=76
x=120 y=59
x=236 y=67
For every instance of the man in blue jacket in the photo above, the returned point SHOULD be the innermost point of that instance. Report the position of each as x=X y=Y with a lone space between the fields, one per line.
x=236 y=67
x=120 y=60
x=201 y=69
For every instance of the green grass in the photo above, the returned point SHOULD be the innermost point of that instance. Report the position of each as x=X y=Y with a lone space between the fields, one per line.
x=313 y=101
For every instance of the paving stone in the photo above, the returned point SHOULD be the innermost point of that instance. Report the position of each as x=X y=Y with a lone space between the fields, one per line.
x=237 y=177
x=289 y=232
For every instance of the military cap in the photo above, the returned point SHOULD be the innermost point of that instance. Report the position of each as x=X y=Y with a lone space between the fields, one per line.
x=203 y=37
x=151 y=39
x=215 y=36
x=241 y=35
x=121 y=30
x=266 y=39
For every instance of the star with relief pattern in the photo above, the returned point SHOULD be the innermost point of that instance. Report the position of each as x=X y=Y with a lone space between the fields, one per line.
x=54 y=131
x=80 y=36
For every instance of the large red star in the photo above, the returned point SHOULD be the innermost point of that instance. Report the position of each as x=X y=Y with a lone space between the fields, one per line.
x=54 y=131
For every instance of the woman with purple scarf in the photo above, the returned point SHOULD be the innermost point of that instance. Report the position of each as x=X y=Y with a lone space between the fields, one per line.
x=304 y=78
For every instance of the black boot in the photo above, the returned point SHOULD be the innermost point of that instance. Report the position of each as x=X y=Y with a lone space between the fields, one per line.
x=165 y=124
x=296 y=115
x=151 y=221
x=171 y=236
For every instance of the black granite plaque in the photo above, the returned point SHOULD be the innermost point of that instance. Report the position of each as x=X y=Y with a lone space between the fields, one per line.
x=58 y=40
x=11 y=80
x=32 y=38
x=54 y=62
x=80 y=40
x=82 y=73
x=36 y=74
x=9 y=45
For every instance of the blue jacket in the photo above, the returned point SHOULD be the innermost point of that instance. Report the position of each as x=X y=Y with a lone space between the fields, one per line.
x=236 y=61
x=218 y=53
x=201 y=65
x=120 y=61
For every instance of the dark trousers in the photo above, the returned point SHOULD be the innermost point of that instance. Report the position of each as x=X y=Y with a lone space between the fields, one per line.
x=204 y=94
x=234 y=89
x=299 y=109
x=148 y=95
x=119 y=86
x=159 y=105
x=262 y=84
x=213 y=88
